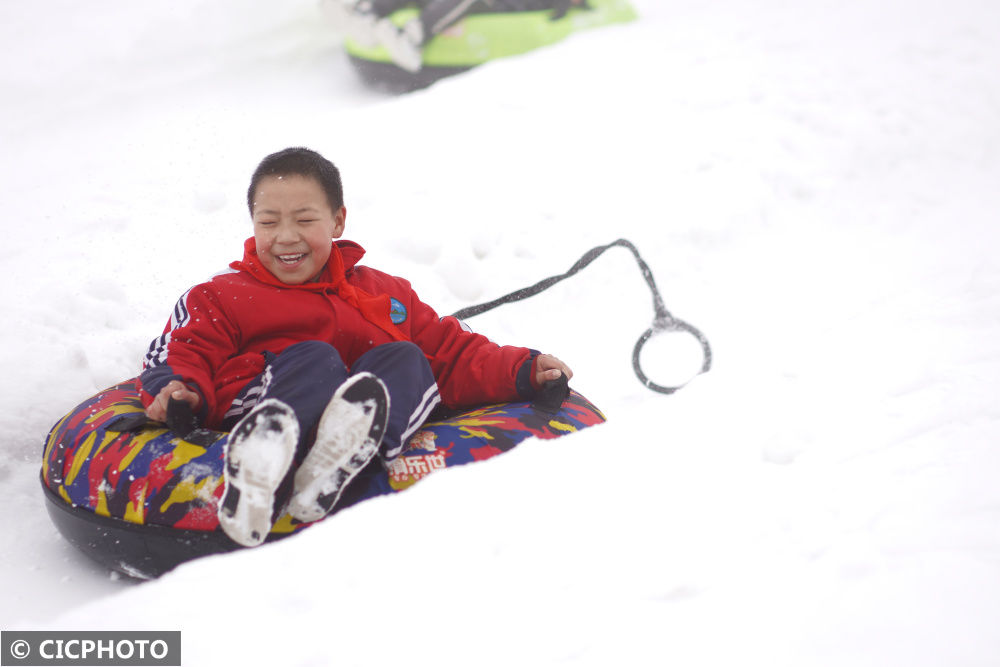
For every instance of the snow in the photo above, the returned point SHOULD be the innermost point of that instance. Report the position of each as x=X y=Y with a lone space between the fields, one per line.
x=814 y=186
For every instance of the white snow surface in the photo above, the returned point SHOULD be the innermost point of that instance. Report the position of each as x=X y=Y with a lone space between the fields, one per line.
x=815 y=185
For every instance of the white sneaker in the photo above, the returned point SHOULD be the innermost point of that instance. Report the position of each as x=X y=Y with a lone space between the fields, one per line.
x=258 y=455
x=405 y=46
x=353 y=20
x=348 y=437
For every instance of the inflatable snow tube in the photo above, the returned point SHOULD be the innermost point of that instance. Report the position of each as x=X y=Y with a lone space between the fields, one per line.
x=478 y=38
x=140 y=500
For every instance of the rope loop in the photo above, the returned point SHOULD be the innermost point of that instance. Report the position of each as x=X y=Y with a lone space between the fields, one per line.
x=663 y=327
x=663 y=321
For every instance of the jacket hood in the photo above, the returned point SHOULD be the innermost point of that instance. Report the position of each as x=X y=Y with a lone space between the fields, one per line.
x=344 y=255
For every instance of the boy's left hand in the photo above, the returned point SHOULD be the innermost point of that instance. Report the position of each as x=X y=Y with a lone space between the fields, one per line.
x=549 y=368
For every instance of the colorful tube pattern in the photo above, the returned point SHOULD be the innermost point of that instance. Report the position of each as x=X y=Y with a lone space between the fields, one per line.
x=150 y=476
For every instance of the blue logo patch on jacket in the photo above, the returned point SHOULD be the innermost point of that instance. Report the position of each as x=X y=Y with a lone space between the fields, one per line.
x=397 y=311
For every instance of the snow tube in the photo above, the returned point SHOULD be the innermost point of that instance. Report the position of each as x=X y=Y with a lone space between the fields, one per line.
x=478 y=38
x=140 y=500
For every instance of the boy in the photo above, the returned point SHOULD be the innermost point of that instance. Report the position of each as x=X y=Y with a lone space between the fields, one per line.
x=314 y=364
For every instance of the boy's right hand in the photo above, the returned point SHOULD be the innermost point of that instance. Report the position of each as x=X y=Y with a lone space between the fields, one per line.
x=157 y=410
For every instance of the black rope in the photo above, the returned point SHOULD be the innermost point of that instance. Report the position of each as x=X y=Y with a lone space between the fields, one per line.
x=663 y=321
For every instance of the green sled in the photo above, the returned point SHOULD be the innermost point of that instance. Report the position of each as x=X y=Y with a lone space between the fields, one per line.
x=478 y=38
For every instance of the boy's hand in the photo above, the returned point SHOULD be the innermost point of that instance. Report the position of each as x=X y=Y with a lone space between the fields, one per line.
x=548 y=368
x=157 y=410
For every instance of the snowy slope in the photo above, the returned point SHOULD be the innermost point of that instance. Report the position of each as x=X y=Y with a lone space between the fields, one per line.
x=813 y=186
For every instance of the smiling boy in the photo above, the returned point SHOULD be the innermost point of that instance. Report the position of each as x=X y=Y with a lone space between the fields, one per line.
x=293 y=228
x=315 y=363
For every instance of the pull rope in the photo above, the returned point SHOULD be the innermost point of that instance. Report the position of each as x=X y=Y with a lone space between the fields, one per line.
x=663 y=321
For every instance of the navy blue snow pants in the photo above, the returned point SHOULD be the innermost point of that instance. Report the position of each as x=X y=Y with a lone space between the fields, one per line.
x=306 y=375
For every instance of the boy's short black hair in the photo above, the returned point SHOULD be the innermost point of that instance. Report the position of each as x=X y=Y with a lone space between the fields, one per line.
x=300 y=162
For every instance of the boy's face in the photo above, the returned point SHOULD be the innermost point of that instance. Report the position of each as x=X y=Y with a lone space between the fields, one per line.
x=293 y=226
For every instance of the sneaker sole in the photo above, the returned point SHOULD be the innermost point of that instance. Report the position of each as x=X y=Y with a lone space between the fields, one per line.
x=258 y=455
x=349 y=434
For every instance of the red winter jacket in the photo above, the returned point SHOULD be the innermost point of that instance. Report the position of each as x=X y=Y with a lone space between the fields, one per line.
x=219 y=330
